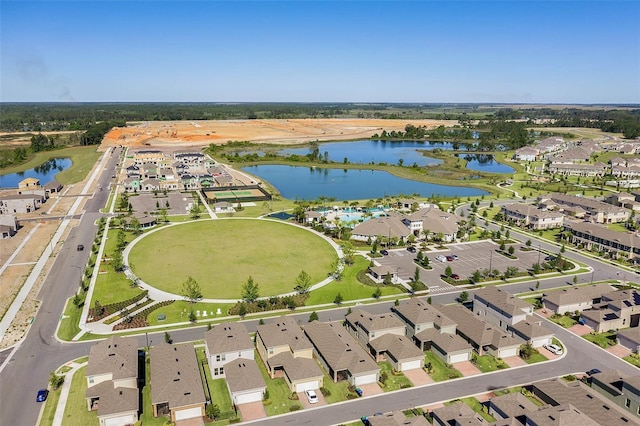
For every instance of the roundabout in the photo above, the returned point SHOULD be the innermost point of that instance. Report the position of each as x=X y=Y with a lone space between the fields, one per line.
x=221 y=254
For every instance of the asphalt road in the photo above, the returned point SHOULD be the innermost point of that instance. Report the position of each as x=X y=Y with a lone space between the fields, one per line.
x=40 y=353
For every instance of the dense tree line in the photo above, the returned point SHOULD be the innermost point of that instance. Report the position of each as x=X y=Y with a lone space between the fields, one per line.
x=41 y=142
x=95 y=133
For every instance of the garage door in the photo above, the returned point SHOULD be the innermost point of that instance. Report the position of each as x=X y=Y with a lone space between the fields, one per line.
x=411 y=365
x=188 y=413
x=541 y=342
x=459 y=358
x=363 y=380
x=505 y=353
x=245 y=398
x=120 y=421
x=301 y=387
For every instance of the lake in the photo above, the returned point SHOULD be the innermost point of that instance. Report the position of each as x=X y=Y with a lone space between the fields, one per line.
x=297 y=182
x=45 y=172
x=485 y=163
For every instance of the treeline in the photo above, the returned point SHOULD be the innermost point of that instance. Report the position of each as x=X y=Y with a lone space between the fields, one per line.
x=95 y=133
x=42 y=142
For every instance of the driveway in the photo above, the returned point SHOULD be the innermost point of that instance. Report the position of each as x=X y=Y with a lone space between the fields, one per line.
x=619 y=351
x=196 y=421
x=371 y=389
x=514 y=361
x=252 y=411
x=305 y=401
x=418 y=377
x=467 y=368
x=580 y=330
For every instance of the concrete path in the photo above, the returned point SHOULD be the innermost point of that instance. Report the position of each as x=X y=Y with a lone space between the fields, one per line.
x=58 y=419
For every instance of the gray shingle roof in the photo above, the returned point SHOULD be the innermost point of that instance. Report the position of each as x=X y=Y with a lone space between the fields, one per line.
x=418 y=311
x=371 y=322
x=228 y=337
x=296 y=368
x=399 y=348
x=502 y=300
x=116 y=355
x=477 y=330
x=572 y=295
x=243 y=374
x=383 y=226
x=175 y=376
x=284 y=331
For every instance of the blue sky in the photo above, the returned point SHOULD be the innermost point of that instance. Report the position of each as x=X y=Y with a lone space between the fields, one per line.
x=327 y=51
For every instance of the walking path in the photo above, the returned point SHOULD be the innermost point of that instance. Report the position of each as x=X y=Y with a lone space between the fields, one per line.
x=58 y=418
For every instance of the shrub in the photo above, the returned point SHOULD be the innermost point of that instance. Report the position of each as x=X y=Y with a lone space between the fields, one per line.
x=325 y=391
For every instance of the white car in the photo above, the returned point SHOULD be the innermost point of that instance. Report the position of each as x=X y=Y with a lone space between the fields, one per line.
x=441 y=258
x=555 y=349
x=311 y=396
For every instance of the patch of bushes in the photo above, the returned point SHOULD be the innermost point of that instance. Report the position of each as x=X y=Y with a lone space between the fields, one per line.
x=140 y=319
x=270 y=304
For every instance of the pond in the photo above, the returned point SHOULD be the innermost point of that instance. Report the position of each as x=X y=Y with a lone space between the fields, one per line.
x=296 y=182
x=485 y=163
x=45 y=172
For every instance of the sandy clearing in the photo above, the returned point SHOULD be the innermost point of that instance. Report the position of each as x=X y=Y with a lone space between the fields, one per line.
x=202 y=133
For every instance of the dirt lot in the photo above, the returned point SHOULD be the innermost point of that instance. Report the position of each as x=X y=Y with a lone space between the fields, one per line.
x=201 y=133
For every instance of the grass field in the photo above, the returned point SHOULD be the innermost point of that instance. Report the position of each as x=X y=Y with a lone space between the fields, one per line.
x=69 y=322
x=75 y=411
x=179 y=310
x=220 y=255
x=82 y=157
x=439 y=370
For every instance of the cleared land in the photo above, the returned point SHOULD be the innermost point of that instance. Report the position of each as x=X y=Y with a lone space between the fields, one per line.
x=220 y=255
x=202 y=133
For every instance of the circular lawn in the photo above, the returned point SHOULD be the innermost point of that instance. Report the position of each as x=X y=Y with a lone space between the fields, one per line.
x=221 y=254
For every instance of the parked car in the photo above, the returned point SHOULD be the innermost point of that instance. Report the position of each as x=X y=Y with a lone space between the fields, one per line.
x=411 y=249
x=42 y=395
x=455 y=276
x=593 y=371
x=384 y=252
x=359 y=391
x=450 y=259
x=80 y=247
x=554 y=349
x=441 y=258
x=455 y=256
x=311 y=396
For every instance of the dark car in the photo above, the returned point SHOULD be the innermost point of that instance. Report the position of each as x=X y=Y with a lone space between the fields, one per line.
x=384 y=252
x=450 y=259
x=411 y=249
x=42 y=395
x=359 y=391
x=455 y=276
x=593 y=371
x=80 y=247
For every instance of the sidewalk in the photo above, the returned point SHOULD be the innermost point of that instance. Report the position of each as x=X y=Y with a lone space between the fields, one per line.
x=64 y=392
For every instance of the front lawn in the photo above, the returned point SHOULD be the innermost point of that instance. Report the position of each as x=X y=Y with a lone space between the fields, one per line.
x=439 y=370
x=394 y=381
x=279 y=393
x=179 y=310
x=536 y=357
x=339 y=391
x=50 y=408
x=604 y=340
x=349 y=287
x=633 y=359
x=75 y=411
x=220 y=395
x=487 y=363
x=563 y=320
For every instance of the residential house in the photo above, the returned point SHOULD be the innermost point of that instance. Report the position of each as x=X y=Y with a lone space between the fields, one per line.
x=418 y=315
x=169 y=185
x=176 y=383
x=624 y=199
x=244 y=381
x=396 y=418
x=551 y=144
x=150 y=185
x=132 y=184
x=133 y=171
x=532 y=332
x=112 y=381
x=378 y=273
x=287 y=352
x=621 y=389
x=526 y=153
x=629 y=338
x=579 y=169
x=53 y=187
x=226 y=342
x=19 y=204
x=562 y=395
x=450 y=348
x=223 y=207
x=618 y=309
x=572 y=155
x=149 y=156
x=527 y=215
x=483 y=336
x=599 y=211
x=190 y=158
x=574 y=298
x=8 y=225
x=366 y=327
x=456 y=414
x=398 y=350
x=149 y=171
x=559 y=415
x=612 y=243
x=500 y=307
x=341 y=356
x=29 y=183
x=511 y=406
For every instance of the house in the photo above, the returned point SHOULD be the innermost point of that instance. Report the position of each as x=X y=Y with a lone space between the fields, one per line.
x=132 y=184
x=551 y=144
x=383 y=227
x=19 y=204
x=630 y=339
x=483 y=337
x=396 y=418
x=526 y=153
x=190 y=158
x=574 y=298
x=146 y=221
x=511 y=406
x=398 y=350
x=532 y=332
x=312 y=216
x=433 y=223
x=176 y=383
x=288 y=352
x=417 y=316
x=169 y=185
x=618 y=309
x=150 y=185
x=8 y=225
x=500 y=307
x=558 y=415
x=378 y=273
x=340 y=355
x=29 y=183
x=149 y=171
x=366 y=327
x=112 y=381
x=598 y=211
x=561 y=394
x=625 y=200
x=226 y=342
x=578 y=169
x=244 y=381
x=133 y=171
x=149 y=156
x=450 y=348
x=621 y=389
x=595 y=237
x=457 y=413
x=53 y=187
x=527 y=215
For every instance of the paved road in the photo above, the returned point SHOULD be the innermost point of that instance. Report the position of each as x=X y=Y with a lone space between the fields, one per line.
x=40 y=353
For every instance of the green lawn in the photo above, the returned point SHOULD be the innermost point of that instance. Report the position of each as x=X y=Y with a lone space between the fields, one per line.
x=82 y=157
x=633 y=359
x=50 y=408
x=564 y=321
x=604 y=340
x=338 y=390
x=220 y=255
x=487 y=363
x=394 y=381
x=349 y=286
x=75 y=411
x=279 y=393
x=439 y=370
x=69 y=322
x=146 y=417
x=179 y=310
x=535 y=358
x=220 y=395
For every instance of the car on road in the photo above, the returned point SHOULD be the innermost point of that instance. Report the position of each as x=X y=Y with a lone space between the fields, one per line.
x=554 y=349
x=311 y=396
x=441 y=258
x=450 y=259
x=455 y=256
x=593 y=371
x=411 y=249
x=80 y=247
x=455 y=276
x=384 y=252
x=42 y=395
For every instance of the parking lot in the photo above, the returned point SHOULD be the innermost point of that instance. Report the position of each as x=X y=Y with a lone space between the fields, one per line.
x=179 y=203
x=471 y=257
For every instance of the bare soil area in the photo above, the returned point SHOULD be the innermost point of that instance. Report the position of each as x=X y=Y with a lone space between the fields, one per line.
x=202 y=133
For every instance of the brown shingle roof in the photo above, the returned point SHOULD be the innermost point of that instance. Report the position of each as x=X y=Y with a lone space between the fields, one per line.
x=228 y=337
x=116 y=355
x=417 y=311
x=284 y=331
x=113 y=401
x=398 y=347
x=572 y=295
x=371 y=322
x=296 y=368
x=477 y=330
x=513 y=404
x=383 y=226
x=502 y=300
x=243 y=374
x=530 y=329
x=175 y=377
